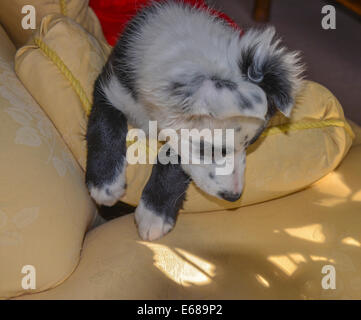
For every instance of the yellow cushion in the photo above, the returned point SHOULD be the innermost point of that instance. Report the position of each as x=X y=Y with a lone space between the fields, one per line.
x=271 y=250
x=357 y=132
x=45 y=208
x=11 y=16
x=285 y=159
x=51 y=83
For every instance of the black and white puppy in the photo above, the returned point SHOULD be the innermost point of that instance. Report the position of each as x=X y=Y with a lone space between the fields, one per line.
x=184 y=68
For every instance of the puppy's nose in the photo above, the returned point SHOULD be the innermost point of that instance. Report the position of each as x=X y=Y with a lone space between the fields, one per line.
x=229 y=196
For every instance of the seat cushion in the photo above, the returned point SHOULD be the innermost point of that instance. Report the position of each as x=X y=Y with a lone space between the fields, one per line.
x=59 y=67
x=272 y=250
x=11 y=16
x=45 y=208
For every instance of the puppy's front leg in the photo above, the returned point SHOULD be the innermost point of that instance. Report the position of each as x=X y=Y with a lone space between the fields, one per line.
x=106 y=158
x=161 y=200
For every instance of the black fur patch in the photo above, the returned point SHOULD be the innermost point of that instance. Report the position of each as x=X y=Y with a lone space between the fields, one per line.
x=106 y=139
x=270 y=74
x=165 y=190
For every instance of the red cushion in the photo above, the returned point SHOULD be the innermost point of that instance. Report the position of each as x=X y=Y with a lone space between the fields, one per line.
x=114 y=14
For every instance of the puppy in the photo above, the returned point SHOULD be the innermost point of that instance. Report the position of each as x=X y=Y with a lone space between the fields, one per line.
x=187 y=69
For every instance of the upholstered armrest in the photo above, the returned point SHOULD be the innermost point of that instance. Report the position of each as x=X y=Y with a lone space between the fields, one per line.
x=45 y=208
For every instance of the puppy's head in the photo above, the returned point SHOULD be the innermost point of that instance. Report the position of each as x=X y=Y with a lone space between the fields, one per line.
x=267 y=78
x=239 y=83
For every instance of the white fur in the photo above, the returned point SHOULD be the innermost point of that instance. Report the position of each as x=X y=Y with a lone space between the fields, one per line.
x=179 y=44
x=123 y=101
x=109 y=193
x=151 y=226
x=232 y=183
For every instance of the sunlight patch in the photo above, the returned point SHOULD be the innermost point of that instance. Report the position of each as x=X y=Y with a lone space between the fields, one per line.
x=312 y=232
x=351 y=242
x=262 y=281
x=181 y=266
x=357 y=196
x=284 y=263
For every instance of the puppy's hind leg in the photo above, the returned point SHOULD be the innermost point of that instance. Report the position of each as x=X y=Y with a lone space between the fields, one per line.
x=161 y=200
x=106 y=158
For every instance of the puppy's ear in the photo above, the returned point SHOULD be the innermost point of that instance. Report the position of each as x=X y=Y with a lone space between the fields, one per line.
x=272 y=67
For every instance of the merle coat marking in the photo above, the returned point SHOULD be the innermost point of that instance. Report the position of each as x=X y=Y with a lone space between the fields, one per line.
x=186 y=69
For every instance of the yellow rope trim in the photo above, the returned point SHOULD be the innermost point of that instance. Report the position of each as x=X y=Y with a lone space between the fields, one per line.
x=303 y=125
x=67 y=74
x=63 y=8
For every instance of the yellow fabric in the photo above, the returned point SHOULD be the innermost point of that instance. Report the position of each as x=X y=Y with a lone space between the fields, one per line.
x=45 y=208
x=272 y=250
x=292 y=153
x=11 y=16
x=304 y=125
x=357 y=132
x=67 y=74
x=49 y=84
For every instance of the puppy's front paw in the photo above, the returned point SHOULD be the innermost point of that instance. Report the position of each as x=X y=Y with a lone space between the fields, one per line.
x=150 y=225
x=109 y=193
